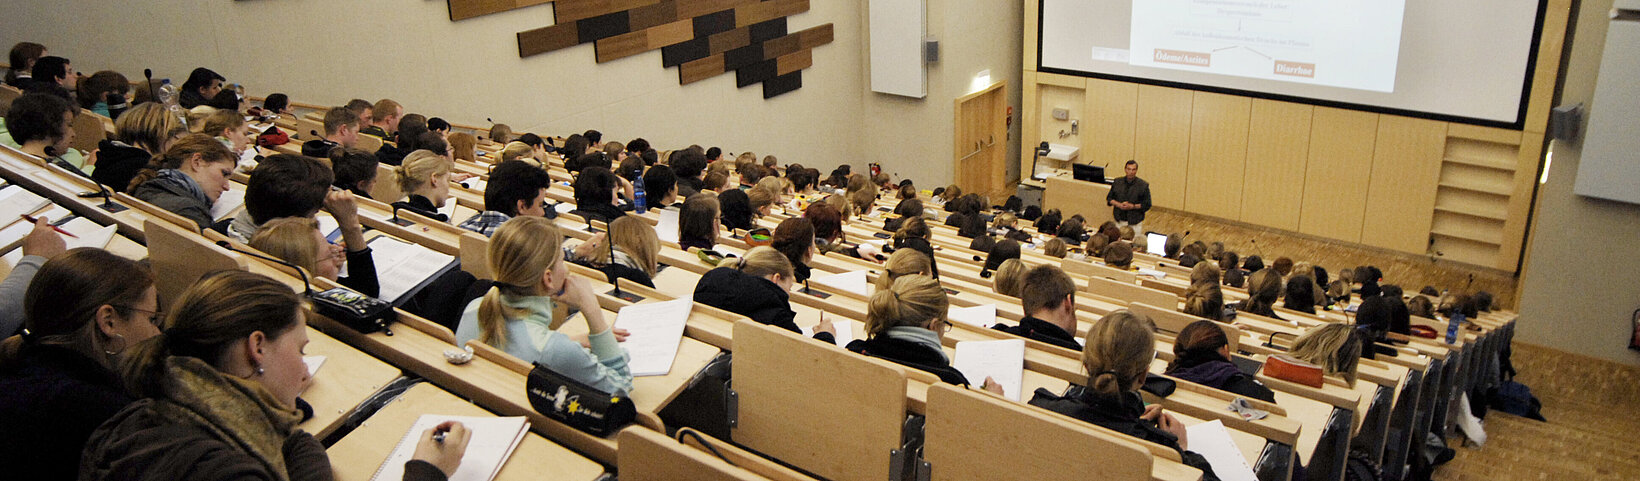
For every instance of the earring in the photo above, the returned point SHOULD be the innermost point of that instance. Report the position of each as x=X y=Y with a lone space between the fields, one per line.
x=259 y=370
x=116 y=351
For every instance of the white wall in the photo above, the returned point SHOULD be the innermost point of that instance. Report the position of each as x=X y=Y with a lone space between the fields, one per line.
x=327 y=52
x=1579 y=287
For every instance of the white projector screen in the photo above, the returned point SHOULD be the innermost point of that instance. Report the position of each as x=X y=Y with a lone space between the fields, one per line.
x=1457 y=60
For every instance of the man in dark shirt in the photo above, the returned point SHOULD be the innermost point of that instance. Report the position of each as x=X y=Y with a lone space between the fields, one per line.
x=1129 y=199
x=1049 y=299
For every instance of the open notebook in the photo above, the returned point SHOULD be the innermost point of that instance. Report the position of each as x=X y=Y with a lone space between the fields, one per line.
x=403 y=268
x=655 y=330
x=492 y=442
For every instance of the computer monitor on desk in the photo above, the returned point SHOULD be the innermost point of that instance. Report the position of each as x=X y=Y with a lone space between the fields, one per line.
x=1088 y=173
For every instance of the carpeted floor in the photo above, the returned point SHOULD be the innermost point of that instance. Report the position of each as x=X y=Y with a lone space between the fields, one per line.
x=1593 y=408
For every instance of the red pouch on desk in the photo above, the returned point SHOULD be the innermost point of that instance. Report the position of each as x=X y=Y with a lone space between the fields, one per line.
x=1425 y=332
x=1288 y=368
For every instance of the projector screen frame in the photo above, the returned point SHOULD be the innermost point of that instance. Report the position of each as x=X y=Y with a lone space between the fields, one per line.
x=1518 y=124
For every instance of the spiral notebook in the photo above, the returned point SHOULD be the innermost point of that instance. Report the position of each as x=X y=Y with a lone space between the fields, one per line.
x=492 y=441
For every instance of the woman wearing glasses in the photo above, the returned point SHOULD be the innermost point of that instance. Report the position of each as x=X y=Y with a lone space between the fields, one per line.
x=298 y=240
x=59 y=380
x=904 y=324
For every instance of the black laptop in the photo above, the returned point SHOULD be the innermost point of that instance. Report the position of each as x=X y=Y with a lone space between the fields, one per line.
x=1088 y=173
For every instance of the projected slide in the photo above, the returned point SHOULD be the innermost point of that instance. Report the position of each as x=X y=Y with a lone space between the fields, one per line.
x=1340 y=43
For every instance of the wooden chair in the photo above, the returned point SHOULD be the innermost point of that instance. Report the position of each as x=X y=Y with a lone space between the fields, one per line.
x=1171 y=321
x=308 y=129
x=1088 y=269
x=368 y=143
x=386 y=190
x=964 y=428
x=648 y=455
x=89 y=130
x=8 y=94
x=180 y=257
x=843 y=421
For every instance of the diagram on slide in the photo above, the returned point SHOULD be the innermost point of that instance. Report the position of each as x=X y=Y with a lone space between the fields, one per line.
x=1351 y=44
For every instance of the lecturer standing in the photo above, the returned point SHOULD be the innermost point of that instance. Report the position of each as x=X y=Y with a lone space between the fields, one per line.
x=1129 y=199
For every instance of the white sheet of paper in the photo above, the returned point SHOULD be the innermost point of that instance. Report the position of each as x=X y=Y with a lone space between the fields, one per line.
x=16 y=201
x=847 y=331
x=53 y=212
x=327 y=224
x=490 y=442
x=854 y=281
x=667 y=227
x=13 y=257
x=563 y=207
x=982 y=316
x=90 y=233
x=14 y=232
x=449 y=209
x=476 y=184
x=655 y=329
x=1212 y=441
x=1003 y=361
x=1159 y=275
x=227 y=203
x=313 y=363
x=400 y=265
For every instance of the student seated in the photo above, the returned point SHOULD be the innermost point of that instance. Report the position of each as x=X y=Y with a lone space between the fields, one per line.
x=60 y=379
x=140 y=134
x=104 y=93
x=384 y=119
x=1049 y=300
x=405 y=141
x=1201 y=354
x=518 y=314
x=1055 y=248
x=299 y=241
x=595 y=195
x=904 y=324
x=1119 y=255
x=187 y=179
x=202 y=86
x=1000 y=252
x=636 y=249
x=1009 y=279
x=1334 y=347
x=905 y=209
x=425 y=179
x=1097 y=244
x=914 y=235
x=341 y=130
x=354 y=170
x=736 y=209
x=219 y=395
x=282 y=186
x=1400 y=316
x=501 y=133
x=660 y=187
x=53 y=76
x=516 y=189
x=41 y=125
x=698 y=223
x=463 y=146
x=757 y=286
x=1300 y=294
x=40 y=244
x=1119 y=349
x=1263 y=290
x=229 y=127
x=903 y=262
x=794 y=238
x=1205 y=300
x=22 y=58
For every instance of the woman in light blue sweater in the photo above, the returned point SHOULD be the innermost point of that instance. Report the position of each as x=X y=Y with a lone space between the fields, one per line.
x=519 y=314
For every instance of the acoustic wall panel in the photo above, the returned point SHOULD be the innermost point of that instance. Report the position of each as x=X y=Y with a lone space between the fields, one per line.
x=1610 y=165
x=896 y=44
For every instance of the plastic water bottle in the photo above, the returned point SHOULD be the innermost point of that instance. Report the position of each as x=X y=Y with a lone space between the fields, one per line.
x=638 y=200
x=168 y=96
x=1452 y=327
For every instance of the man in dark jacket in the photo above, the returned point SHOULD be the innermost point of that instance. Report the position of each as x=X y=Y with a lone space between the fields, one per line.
x=1129 y=199
x=1049 y=299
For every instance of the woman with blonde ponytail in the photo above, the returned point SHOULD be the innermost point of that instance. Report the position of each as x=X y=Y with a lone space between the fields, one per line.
x=520 y=313
x=756 y=285
x=903 y=262
x=904 y=325
x=424 y=177
x=219 y=391
x=1117 y=355
x=59 y=380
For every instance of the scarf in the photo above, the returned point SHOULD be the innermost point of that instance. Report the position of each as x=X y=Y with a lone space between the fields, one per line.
x=918 y=336
x=176 y=177
x=233 y=409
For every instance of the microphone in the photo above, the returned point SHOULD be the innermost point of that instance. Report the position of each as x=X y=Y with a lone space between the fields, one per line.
x=609 y=271
x=148 y=73
x=107 y=197
x=362 y=313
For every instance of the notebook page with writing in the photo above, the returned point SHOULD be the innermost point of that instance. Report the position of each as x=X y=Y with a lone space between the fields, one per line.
x=16 y=201
x=53 y=212
x=90 y=233
x=492 y=441
x=401 y=266
x=847 y=331
x=655 y=330
x=849 y=281
x=1003 y=361
x=1212 y=441
x=982 y=316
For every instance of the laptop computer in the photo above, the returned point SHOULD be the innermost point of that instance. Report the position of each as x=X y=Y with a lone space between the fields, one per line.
x=1088 y=173
x=1156 y=243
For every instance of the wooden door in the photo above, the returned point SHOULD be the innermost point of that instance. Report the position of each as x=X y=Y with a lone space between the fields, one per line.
x=981 y=137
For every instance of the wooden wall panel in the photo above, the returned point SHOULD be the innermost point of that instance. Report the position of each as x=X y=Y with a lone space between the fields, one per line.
x=1278 y=149
x=1162 y=143
x=1335 y=186
x=1108 y=123
x=1218 y=154
x=465 y=9
x=1050 y=97
x=1406 y=168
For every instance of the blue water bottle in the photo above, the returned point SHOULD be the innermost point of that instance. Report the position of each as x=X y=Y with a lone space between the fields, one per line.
x=638 y=200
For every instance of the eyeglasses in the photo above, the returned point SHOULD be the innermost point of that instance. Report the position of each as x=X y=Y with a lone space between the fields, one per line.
x=945 y=326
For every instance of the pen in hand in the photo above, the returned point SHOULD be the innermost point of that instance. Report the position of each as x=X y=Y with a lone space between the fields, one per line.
x=32 y=220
